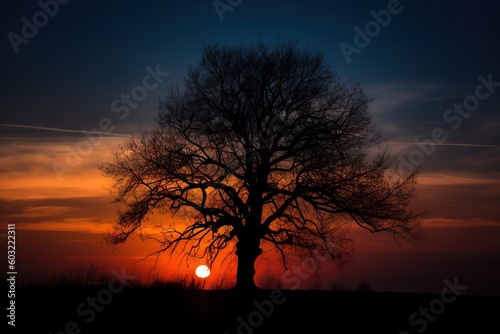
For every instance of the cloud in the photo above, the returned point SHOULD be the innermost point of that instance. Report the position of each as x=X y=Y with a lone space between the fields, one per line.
x=27 y=166
x=408 y=112
x=61 y=214
x=440 y=179
x=395 y=97
x=461 y=196
x=32 y=196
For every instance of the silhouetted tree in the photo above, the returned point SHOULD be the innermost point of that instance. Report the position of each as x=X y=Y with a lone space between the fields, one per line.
x=261 y=144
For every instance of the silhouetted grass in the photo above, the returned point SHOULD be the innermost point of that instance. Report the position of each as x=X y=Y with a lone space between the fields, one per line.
x=83 y=295
x=176 y=283
x=80 y=276
x=92 y=275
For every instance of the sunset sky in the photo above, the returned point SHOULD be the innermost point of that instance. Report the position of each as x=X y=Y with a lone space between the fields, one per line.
x=64 y=110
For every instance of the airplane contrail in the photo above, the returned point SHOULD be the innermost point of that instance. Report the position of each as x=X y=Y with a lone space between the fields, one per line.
x=431 y=122
x=64 y=130
x=442 y=144
x=127 y=135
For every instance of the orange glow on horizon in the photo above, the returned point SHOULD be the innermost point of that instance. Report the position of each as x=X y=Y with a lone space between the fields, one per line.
x=61 y=223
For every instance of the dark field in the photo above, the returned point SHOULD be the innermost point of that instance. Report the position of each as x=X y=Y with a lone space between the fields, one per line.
x=163 y=310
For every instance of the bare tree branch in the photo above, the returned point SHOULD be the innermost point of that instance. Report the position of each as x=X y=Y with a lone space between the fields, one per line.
x=262 y=144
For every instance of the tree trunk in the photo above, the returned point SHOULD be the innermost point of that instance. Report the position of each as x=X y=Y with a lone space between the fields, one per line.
x=247 y=250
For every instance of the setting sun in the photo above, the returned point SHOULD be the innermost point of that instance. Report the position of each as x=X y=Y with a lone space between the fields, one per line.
x=317 y=173
x=202 y=271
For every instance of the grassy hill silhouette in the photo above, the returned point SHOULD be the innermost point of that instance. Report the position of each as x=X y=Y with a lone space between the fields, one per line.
x=72 y=304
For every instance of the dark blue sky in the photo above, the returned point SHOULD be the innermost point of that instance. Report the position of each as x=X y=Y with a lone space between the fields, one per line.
x=90 y=52
x=429 y=57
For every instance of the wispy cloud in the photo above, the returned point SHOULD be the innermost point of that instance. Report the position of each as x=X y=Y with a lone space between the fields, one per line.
x=391 y=97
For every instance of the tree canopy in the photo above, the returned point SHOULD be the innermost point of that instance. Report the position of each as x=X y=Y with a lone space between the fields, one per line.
x=261 y=144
